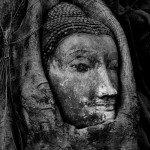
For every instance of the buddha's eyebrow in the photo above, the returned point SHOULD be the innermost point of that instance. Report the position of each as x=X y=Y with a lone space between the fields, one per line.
x=79 y=52
x=83 y=50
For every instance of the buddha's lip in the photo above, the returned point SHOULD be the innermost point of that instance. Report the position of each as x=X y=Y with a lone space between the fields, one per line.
x=102 y=105
x=99 y=126
x=101 y=102
x=108 y=107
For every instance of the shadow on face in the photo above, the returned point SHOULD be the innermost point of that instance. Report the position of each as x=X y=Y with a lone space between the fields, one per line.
x=83 y=72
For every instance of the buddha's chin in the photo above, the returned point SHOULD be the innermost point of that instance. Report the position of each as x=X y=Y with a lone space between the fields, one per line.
x=93 y=117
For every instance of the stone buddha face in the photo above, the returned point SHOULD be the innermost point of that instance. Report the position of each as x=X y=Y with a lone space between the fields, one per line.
x=83 y=73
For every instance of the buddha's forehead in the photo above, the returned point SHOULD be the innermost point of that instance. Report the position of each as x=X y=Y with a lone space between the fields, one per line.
x=87 y=42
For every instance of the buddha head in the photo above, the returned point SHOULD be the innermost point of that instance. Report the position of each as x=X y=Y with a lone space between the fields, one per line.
x=81 y=62
x=84 y=90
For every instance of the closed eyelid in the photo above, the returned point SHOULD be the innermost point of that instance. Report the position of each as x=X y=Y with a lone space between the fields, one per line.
x=113 y=56
x=79 y=60
x=78 y=55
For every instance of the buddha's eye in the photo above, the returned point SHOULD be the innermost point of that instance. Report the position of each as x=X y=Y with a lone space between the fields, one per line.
x=113 y=65
x=81 y=67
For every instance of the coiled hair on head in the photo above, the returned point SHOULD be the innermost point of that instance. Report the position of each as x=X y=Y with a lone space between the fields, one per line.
x=66 y=19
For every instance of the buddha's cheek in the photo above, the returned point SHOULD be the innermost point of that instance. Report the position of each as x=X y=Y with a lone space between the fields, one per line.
x=73 y=95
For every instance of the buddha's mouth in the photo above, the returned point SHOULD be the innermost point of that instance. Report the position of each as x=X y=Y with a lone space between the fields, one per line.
x=95 y=121
x=96 y=115
x=107 y=105
x=99 y=126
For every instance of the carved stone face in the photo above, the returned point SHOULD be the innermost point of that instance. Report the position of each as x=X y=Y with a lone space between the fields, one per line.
x=83 y=72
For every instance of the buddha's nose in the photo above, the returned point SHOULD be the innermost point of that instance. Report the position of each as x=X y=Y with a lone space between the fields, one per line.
x=104 y=85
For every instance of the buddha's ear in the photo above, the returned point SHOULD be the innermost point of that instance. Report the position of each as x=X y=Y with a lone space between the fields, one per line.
x=36 y=97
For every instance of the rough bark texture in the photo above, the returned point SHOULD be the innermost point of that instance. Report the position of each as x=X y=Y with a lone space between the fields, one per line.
x=7 y=140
